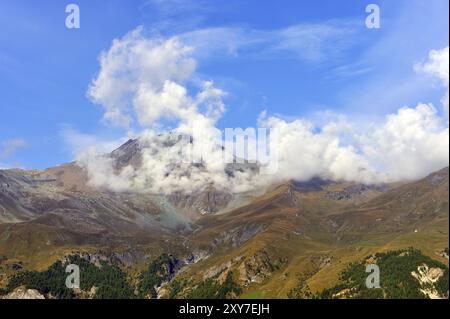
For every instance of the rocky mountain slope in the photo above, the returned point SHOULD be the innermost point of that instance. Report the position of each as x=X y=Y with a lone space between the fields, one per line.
x=295 y=232
x=259 y=244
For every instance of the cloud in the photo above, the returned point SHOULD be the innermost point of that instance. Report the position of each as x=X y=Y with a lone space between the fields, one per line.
x=153 y=83
x=9 y=147
x=145 y=81
x=437 y=66
x=305 y=151
x=407 y=145
x=410 y=144
x=135 y=65
x=101 y=171
x=311 y=42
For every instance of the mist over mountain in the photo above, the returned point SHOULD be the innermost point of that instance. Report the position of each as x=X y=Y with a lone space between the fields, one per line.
x=55 y=213
x=182 y=149
x=135 y=90
x=316 y=224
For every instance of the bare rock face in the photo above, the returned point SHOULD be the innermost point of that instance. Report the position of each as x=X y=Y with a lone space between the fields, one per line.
x=259 y=267
x=427 y=278
x=128 y=154
x=208 y=201
x=23 y=293
x=353 y=191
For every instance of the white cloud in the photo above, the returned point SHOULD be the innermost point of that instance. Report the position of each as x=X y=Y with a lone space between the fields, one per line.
x=407 y=145
x=101 y=172
x=153 y=82
x=410 y=144
x=305 y=152
x=437 y=66
x=147 y=81
x=134 y=65
x=313 y=42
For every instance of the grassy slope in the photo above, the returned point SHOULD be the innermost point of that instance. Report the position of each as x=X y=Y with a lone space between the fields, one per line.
x=411 y=215
x=294 y=226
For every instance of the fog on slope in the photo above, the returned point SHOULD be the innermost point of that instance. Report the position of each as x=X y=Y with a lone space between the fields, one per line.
x=148 y=82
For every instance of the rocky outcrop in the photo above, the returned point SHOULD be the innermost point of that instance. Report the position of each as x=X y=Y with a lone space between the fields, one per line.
x=351 y=192
x=239 y=235
x=23 y=293
x=258 y=267
x=208 y=201
x=427 y=278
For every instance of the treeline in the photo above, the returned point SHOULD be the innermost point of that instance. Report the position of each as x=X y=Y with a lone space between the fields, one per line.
x=163 y=270
x=160 y=270
x=106 y=280
x=109 y=280
x=49 y=282
x=302 y=290
x=212 y=289
x=396 y=280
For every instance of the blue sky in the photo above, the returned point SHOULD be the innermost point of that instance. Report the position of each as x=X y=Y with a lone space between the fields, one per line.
x=291 y=58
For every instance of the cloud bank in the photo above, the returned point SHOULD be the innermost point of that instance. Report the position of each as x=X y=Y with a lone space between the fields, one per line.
x=152 y=83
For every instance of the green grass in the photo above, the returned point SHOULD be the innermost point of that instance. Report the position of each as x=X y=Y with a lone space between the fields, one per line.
x=254 y=295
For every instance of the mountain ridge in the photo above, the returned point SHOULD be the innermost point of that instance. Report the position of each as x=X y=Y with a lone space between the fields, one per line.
x=310 y=229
